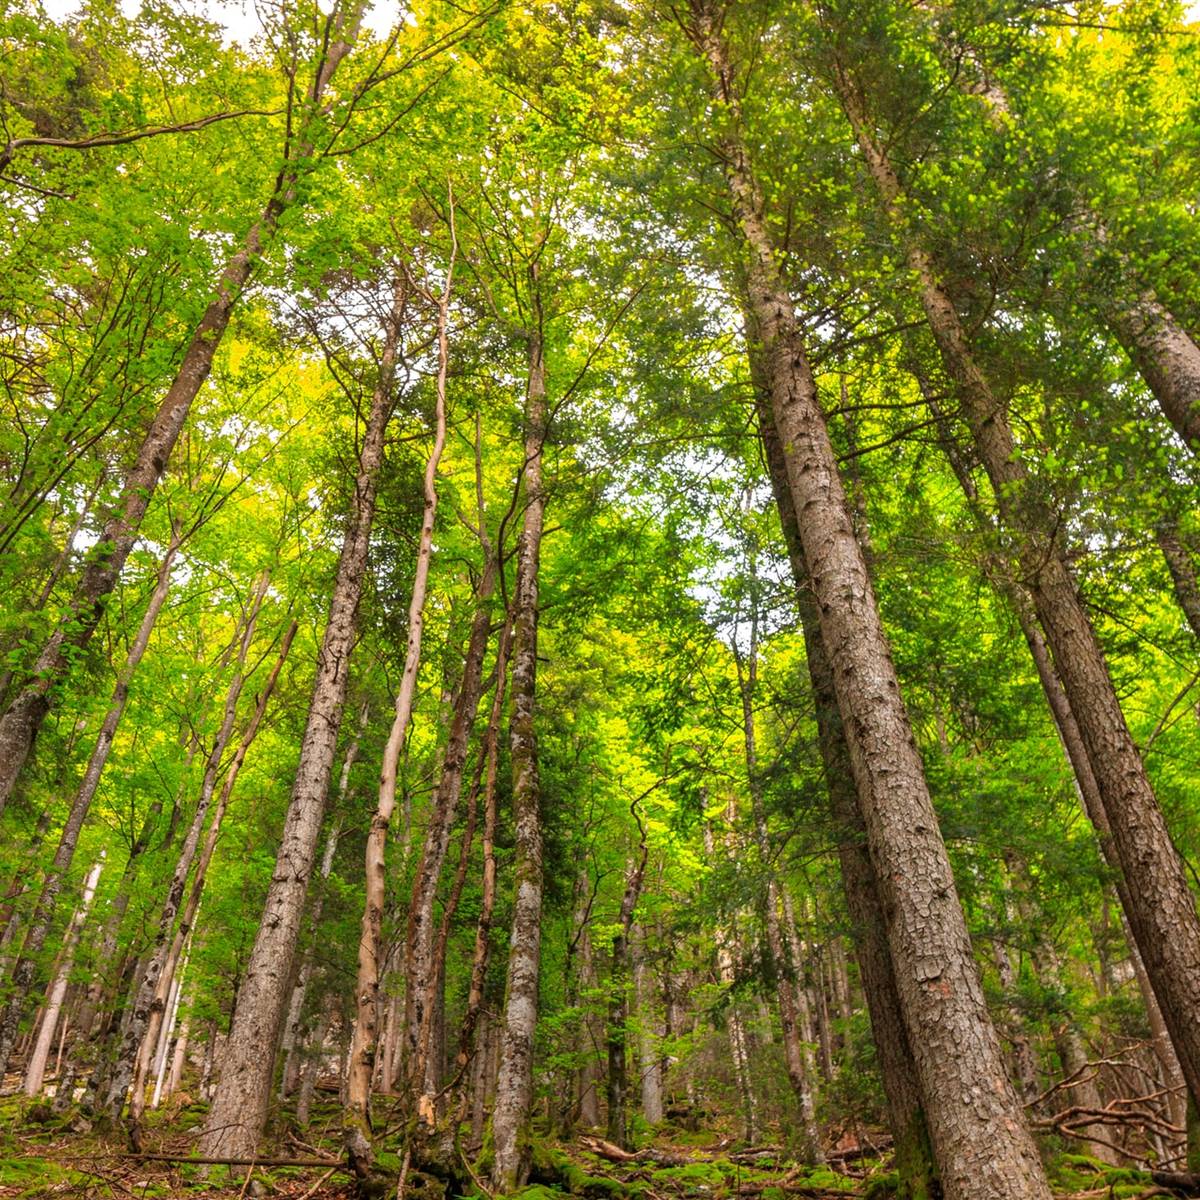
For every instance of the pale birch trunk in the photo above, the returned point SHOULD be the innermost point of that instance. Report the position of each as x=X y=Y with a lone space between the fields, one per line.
x=361 y=1069
x=35 y=1070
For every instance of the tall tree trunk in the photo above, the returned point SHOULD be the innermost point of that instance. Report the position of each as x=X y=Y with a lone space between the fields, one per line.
x=983 y=1147
x=147 y=1001
x=421 y=968
x=42 y=919
x=35 y=1069
x=239 y=1108
x=357 y=1119
x=20 y=724
x=897 y=1068
x=1162 y=915
x=650 y=1059
x=514 y=1080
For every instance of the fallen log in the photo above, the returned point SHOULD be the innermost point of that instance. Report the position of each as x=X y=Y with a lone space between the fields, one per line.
x=198 y=1160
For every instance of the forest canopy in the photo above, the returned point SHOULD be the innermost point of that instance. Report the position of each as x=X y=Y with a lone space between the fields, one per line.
x=600 y=598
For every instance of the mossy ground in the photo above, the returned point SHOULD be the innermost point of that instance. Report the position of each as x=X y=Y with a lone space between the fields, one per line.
x=43 y=1154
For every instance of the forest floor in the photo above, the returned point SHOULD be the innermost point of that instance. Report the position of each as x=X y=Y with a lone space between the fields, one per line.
x=60 y=1155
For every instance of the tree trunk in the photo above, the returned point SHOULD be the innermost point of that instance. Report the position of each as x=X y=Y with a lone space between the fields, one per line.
x=650 y=1059
x=983 y=1147
x=514 y=1081
x=187 y=922
x=20 y=724
x=43 y=914
x=35 y=1069
x=1162 y=915
x=357 y=1120
x=239 y=1109
x=897 y=1068
x=1182 y=569
x=421 y=968
x=147 y=1005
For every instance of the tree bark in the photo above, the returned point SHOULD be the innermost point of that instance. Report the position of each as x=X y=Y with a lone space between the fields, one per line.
x=983 y=1147
x=897 y=1068
x=1162 y=915
x=1182 y=570
x=514 y=1081
x=42 y=919
x=20 y=724
x=357 y=1119
x=239 y=1109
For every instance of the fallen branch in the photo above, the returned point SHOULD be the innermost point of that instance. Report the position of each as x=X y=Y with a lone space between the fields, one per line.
x=198 y=1160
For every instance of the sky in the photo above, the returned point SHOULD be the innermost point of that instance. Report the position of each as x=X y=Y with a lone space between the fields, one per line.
x=241 y=23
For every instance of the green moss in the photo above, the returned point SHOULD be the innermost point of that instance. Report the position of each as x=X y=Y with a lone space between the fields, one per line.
x=538 y=1191
x=37 y=1176
x=882 y=1186
x=823 y=1177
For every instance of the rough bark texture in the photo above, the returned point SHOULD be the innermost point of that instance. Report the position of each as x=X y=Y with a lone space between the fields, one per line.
x=20 y=724
x=43 y=914
x=1163 y=912
x=514 y=1082
x=239 y=1108
x=983 y=1147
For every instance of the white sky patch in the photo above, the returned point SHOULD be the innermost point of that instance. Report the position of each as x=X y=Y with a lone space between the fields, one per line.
x=239 y=17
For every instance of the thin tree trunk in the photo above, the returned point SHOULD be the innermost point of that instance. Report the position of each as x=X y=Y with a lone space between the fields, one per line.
x=42 y=919
x=650 y=1060
x=799 y=1064
x=148 y=1001
x=292 y=1042
x=1162 y=915
x=35 y=1070
x=514 y=1080
x=983 y=1147
x=1182 y=569
x=239 y=1109
x=618 y=993
x=191 y=908
x=20 y=724
x=357 y=1119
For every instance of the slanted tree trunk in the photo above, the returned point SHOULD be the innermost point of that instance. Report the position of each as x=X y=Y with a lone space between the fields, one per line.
x=983 y=1147
x=357 y=1118
x=239 y=1108
x=1162 y=915
x=514 y=1080
x=1182 y=569
x=35 y=1069
x=148 y=1002
x=42 y=919
x=183 y=933
x=20 y=724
